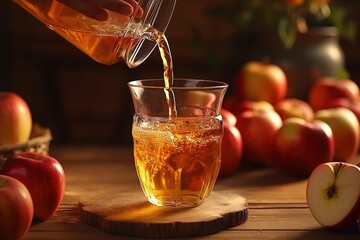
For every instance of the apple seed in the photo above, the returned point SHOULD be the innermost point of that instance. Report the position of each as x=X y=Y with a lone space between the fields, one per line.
x=331 y=191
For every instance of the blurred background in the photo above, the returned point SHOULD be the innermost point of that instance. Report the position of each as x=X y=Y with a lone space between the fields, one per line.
x=84 y=102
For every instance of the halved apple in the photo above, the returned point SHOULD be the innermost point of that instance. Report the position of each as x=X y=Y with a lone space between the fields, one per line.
x=333 y=194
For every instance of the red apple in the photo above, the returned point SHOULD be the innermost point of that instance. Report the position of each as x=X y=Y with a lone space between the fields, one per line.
x=230 y=102
x=352 y=105
x=16 y=208
x=356 y=161
x=15 y=119
x=243 y=106
x=293 y=107
x=43 y=176
x=197 y=98
x=346 y=132
x=257 y=128
x=326 y=90
x=300 y=146
x=294 y=3
x=231 y=150
x=228 y=117
x=333 y=195
x=258 y=81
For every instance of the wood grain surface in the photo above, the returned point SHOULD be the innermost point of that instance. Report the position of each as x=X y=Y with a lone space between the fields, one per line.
x=276 y=202
x=129 y=214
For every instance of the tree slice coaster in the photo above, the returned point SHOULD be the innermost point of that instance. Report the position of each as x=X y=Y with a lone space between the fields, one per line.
x=129 y=214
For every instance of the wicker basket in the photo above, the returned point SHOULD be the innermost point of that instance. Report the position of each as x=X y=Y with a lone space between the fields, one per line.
x=39 y=142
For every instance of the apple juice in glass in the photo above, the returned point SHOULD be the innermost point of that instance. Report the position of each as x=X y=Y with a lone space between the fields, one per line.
x=177 y=157
x=177 y=131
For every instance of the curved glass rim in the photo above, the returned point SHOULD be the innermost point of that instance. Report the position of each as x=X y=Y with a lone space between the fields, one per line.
x=134 y=57
x=192 y=84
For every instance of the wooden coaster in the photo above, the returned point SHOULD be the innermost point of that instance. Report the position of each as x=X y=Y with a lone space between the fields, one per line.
x=129 y=214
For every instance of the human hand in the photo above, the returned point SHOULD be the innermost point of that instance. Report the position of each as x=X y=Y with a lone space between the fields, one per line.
x=97 y=9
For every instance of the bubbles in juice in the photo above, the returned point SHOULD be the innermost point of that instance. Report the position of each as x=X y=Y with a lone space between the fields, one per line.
x=178 y=161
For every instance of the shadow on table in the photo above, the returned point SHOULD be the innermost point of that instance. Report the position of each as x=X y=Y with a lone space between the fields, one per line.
x=253 y=177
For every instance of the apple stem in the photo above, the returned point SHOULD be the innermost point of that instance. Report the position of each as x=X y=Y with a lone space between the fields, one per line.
x=339 y=167
x=331 y=191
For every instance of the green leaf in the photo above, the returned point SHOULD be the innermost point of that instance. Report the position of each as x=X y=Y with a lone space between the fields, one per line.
x=287 y=32
x=342 y=73
x=349 y=31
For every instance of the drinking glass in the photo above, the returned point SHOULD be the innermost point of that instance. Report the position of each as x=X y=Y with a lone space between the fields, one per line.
x=177 y=152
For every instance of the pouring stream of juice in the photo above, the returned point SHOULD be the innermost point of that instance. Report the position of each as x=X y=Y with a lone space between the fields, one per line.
x=168 y=73
x=165 y=53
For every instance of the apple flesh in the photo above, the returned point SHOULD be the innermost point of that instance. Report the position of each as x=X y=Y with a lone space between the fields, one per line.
x=43 y=176
x=15 y=119
x=333 y=195
x=16 y=208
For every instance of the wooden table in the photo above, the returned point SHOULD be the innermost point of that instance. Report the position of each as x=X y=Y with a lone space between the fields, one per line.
x=277 y=203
